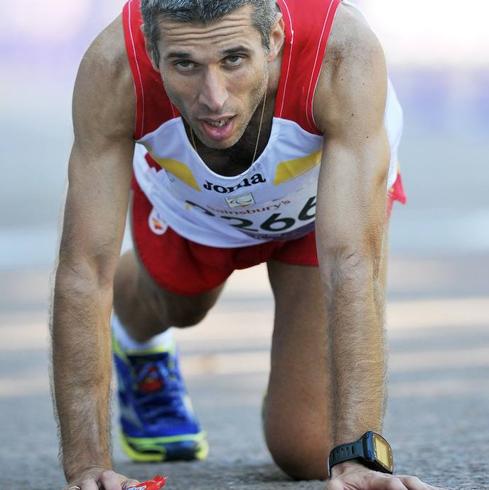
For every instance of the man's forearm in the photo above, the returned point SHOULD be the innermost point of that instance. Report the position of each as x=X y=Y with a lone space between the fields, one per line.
x=82 y=368
x=355 y=303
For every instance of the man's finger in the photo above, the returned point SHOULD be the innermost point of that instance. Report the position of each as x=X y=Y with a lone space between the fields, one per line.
x=129 y=483
x=334 y=485
x=89 y=485
x=376 y=483
x=414 y=483
x=386 y=483
x=111 y=480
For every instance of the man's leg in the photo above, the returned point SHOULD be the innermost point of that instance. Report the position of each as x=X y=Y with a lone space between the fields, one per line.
x=298 y=412
x=145 y=309
x=298 y=409
x=157 y=419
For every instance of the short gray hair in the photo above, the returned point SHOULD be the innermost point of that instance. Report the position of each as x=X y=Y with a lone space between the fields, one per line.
x=202 y=11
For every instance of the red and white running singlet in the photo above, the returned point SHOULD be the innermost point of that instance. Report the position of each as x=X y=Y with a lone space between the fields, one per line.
x=275 y=198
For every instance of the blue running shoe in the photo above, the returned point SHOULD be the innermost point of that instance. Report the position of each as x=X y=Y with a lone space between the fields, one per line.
x=157 y=419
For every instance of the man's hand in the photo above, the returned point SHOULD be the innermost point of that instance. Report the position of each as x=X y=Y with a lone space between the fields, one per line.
x=100 y=479
x=354 y=476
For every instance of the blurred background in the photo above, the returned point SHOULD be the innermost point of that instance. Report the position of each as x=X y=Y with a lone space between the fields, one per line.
x=438 y=54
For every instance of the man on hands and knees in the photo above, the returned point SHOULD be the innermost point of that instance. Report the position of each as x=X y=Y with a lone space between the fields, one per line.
x=237 y=133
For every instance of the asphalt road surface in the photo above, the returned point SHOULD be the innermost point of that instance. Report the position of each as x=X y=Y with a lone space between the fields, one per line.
x=437 y=418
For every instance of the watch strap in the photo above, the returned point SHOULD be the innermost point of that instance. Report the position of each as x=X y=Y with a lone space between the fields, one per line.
x=346 y=452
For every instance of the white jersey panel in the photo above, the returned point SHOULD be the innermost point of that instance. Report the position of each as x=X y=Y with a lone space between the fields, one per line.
x=394 y=125
x=273 y=199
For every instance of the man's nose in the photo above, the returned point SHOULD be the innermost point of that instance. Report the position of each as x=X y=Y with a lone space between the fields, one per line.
x=213 y=93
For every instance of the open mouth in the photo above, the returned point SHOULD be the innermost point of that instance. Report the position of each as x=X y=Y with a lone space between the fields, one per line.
x=218 y=124
x=218 y=129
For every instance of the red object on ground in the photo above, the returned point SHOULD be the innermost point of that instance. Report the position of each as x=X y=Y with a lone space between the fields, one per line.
x=155 y=484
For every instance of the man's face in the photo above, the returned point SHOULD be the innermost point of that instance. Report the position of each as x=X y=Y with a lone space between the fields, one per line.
x=216 y=74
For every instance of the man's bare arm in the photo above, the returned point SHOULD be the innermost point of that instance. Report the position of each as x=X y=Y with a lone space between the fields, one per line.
x=351 y=228
x=349 y=108
x=94 y=219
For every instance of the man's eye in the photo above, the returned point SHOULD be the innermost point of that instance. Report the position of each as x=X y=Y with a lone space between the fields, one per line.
x=185 y=65
x=234 y=60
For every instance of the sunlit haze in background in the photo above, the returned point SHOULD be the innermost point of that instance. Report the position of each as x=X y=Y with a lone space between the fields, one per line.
x=431 y=32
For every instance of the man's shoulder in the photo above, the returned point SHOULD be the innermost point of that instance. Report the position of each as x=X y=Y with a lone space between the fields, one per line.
x=352 y=42
x=107 y=52
x=104 y=83
x=353 y=65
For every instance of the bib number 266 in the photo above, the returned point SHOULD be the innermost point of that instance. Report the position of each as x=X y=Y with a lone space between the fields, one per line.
x=275 y=223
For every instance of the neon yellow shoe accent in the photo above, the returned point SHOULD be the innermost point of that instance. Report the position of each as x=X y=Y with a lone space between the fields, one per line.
x=152 y=449
x=202 y=450
x=132 y=454
x=117 y=350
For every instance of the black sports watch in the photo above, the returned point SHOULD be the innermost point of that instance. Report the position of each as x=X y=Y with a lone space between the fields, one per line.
x=371 y=450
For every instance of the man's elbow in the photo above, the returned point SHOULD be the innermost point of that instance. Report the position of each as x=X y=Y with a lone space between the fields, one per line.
x=85 y=276
x=347 y=267
x=337 y=261
x=352 y=245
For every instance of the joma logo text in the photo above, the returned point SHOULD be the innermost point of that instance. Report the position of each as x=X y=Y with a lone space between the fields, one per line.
x=248 y=182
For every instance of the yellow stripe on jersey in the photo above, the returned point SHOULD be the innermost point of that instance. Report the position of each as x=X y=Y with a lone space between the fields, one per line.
x=290 y=169
x=179 y=170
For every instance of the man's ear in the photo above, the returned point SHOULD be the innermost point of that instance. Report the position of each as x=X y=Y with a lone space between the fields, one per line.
x=148 y=51
x=277 y=38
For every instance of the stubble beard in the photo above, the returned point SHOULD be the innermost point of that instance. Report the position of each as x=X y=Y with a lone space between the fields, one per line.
x=247 y=129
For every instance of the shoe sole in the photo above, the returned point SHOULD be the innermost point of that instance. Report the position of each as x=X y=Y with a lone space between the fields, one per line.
x=159 y=449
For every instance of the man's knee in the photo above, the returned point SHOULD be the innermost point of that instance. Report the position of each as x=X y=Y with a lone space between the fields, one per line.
x=182 y=317
x=299 y=449
x=137 y=298
x=188 y=311
x=153 y=313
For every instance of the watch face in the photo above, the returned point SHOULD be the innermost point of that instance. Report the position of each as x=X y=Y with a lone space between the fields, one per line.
x=383 y=452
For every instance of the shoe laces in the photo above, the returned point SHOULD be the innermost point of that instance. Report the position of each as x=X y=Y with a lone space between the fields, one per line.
x=159 y=388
